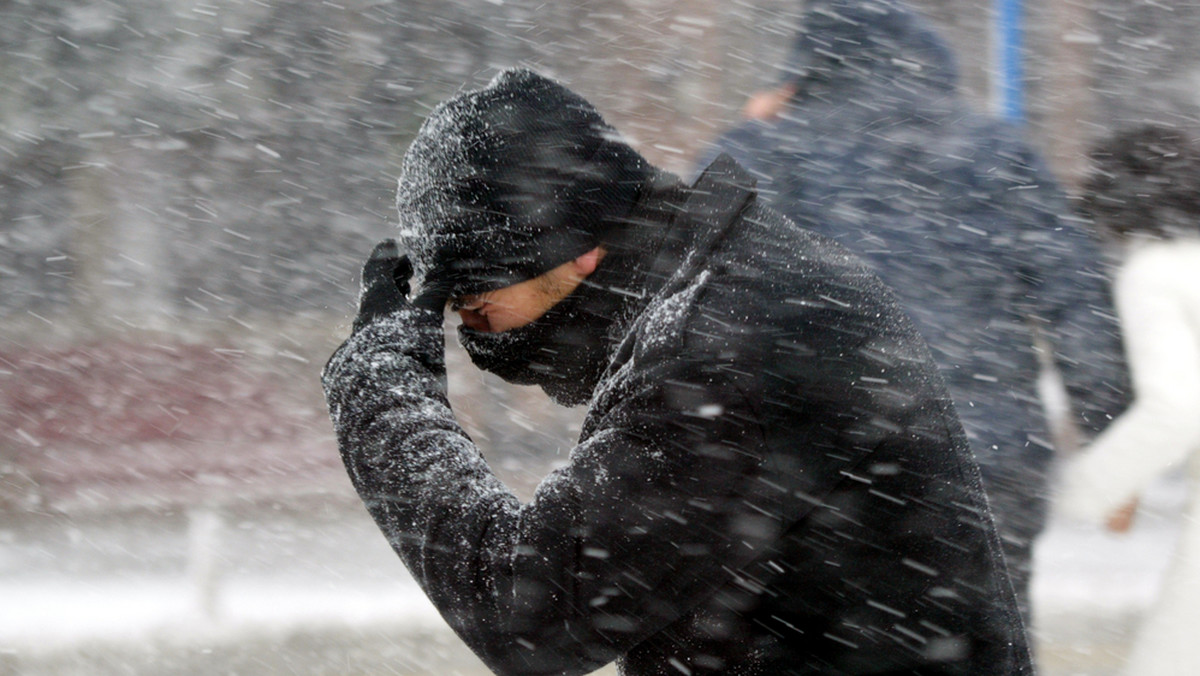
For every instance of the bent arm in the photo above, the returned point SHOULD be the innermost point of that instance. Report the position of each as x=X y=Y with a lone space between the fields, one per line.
x=1162 y=426
x=654 y=511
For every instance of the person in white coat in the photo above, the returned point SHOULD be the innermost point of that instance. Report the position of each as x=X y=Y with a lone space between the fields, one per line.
x=1145 y=192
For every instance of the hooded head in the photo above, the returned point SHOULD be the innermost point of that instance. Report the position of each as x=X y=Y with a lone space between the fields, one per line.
x=504 y=183
x=868 y=42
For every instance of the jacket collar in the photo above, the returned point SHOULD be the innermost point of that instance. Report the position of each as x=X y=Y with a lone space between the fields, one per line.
x=713 y=204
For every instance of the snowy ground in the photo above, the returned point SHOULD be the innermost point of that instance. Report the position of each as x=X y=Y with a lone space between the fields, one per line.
x=307 y=586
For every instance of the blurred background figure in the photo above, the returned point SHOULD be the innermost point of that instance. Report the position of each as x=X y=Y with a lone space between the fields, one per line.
x=1144 y=193
x=866 y=140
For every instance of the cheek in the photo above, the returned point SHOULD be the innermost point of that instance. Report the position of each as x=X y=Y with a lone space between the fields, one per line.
x=502 y=319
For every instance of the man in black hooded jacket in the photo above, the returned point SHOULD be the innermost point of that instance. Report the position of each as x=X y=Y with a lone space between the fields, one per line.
x=770 y=478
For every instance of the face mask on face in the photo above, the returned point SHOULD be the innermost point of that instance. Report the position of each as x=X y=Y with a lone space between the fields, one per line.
x=563 y=351
x=567 y=349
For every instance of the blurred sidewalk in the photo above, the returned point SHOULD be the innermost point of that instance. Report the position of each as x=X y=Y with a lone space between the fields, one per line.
x=307 y=586
x=302 y=585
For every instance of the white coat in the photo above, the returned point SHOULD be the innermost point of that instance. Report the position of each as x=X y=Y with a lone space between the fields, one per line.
x=1158 y=300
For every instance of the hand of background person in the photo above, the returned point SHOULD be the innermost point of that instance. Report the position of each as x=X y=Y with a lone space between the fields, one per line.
x=1120 y=520
x=766 y=105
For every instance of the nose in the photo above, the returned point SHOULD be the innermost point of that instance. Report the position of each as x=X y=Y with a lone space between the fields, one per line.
x=474 y=319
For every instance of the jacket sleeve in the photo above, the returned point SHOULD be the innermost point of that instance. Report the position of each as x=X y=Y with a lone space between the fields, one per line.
x=1068 y=296
x=658 y=506
x=1162 y=425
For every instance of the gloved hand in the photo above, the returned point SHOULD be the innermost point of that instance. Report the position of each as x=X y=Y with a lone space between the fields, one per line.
x=388 y=323
x=385 y=287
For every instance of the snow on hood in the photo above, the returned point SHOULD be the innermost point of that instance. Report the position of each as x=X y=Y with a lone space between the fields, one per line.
x=868 y=43
x=503 y=183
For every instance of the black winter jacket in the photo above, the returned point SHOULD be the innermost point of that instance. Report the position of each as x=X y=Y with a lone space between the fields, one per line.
x=770 y=479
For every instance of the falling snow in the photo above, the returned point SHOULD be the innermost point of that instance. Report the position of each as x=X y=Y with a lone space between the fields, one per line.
x=187 y=190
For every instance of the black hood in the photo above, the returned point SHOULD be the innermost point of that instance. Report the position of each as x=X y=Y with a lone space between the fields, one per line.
x=506 y=182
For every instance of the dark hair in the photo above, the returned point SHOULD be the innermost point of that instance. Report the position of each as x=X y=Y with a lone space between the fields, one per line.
x=1145 y=180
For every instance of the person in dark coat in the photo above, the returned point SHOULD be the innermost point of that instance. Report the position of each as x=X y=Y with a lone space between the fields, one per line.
x=770 y=478
x=867 y=141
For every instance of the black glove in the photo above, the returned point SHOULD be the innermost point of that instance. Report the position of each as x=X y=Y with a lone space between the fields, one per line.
x=388 y=322
x=385 y=287
x=433 y=297
x=379 y=297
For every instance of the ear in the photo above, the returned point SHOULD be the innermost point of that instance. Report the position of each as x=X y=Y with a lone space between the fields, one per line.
x=587 y=263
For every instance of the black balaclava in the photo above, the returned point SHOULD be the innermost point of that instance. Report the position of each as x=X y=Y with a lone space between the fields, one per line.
x=503 y=184
x=566 y=350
